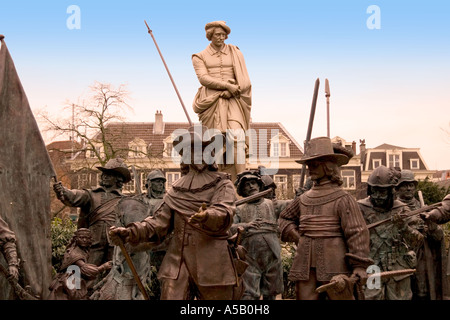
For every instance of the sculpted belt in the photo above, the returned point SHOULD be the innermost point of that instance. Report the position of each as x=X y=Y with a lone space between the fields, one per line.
x=315 y=226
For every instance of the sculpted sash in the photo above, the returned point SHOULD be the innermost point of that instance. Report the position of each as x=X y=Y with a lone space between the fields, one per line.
x=315 y=226
x=104 y=211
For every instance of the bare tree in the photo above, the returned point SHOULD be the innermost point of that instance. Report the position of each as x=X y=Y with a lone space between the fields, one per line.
x=88 y=123
x=98 y=132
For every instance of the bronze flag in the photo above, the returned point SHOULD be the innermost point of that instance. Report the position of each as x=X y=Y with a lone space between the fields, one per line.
x=25 y=173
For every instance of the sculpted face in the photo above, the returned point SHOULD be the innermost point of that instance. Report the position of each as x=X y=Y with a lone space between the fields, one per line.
x=157 y=185
x=406 y=190
x=379 y=196
x=218 y=38
x=108 y=180
x=250 y=187
x=316 y=170
x=84 y=240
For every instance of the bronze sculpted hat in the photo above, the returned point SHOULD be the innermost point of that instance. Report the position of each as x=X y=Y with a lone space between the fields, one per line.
x=407 y=176
x=244 y=176
x=82 y=231
x=384 y=177
x=221 y=24
x=196 y=134
x=117 y=166
x=322 y=147
x=156 y=174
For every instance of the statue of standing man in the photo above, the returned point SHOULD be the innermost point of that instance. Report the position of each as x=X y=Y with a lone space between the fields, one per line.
x=223 y=101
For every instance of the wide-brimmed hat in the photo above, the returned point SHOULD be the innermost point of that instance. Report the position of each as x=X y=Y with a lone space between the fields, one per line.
x=117 y=165
x=196 y=135
x=322 y=147
x=221 y=24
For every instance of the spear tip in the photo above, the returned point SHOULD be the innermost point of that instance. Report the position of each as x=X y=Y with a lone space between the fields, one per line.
x=147 y=27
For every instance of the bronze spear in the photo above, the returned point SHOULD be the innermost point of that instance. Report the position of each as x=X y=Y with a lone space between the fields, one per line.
x=310 y=125
x=407 y=214
x=327 y=95
x=168 y=72
x=133 y=269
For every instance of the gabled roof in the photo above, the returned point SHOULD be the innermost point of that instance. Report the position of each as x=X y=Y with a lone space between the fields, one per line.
x=63 y=145
x=121 y=133
x=386 y=146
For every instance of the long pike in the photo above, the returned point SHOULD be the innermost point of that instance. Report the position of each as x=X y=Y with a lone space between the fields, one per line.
x=253 y=197
x=382 y=275
x=409 y=214
x=170 y=76
x=310 y=126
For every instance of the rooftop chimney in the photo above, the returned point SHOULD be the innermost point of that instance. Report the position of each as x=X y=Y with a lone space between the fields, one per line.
x=354 y=147
x=158 y=127
x=362 y=149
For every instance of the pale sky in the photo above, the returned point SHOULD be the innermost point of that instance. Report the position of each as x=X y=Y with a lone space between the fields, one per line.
x=388 y=67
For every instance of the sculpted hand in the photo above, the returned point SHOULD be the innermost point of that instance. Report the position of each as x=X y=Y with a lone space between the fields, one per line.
x=200 y=216
x=13 y=272
x=226 y=94
x=59 y=190
x=399 y=220
x=119 y=233
x=256 y=224
x=105 y=267
x=430 y=215
x=234 y=90
x=361 y=274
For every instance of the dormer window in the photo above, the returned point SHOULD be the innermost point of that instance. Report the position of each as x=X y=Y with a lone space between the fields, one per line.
x=169 y=150
x=137 y=148
x=98 y=152
x=279 y=146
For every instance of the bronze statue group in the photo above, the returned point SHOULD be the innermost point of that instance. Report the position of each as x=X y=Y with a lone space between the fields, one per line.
x=206 y=247
x=215 y=234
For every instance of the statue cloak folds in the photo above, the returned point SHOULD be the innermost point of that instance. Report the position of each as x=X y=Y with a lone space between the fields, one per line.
x=25 y=173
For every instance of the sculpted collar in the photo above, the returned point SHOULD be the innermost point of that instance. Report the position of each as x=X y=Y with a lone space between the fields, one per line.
x=212 y=51
x=195 y=181
x=101 y=189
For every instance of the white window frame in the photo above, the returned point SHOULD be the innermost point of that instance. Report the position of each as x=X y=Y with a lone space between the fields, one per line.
x=83 y=177
x=170 y=179
x=346 y=179
x=129 y=187
x=282 y=186
x=143 y=180
x=376 y=161
x=275 y=146
x=91 y=153
x=411 y=161
x=169 y=150
x=394 y=154
x=138 y=148
x=87 y=177
x=295 y=184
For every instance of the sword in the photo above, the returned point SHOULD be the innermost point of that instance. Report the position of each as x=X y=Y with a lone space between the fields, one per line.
x=133 y=269
x=21 y=292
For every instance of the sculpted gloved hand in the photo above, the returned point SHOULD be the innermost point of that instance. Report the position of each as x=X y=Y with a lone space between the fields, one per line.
x=361 y=274
x=119 y=234
x=200 y=216
x=399 y=220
